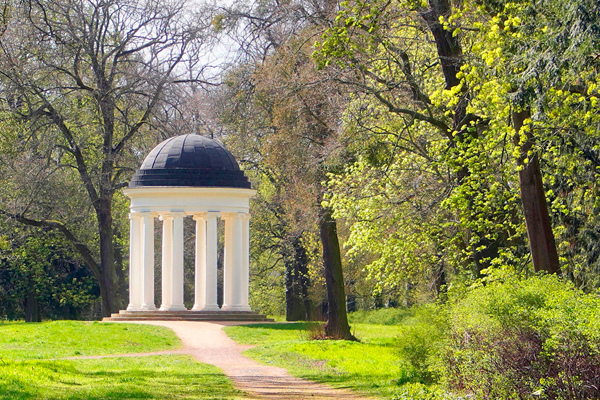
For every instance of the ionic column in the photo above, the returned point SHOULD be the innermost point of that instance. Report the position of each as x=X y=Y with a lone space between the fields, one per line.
x=206 y=262
x=135 y=265
x=232 y=286
x=245 y=275
x=147 y=262
x=172 y=262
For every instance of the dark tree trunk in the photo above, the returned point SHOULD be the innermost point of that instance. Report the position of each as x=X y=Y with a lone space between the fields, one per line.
x=537 y=218
x=296 y=284
x=32 y=307
x=337 y=326
x=109 y=283
x=439 y=277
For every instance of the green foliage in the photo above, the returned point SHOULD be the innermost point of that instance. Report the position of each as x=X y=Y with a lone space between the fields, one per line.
x=512 y=338
x=421 y=341
x=419 y=391
x=40 y=277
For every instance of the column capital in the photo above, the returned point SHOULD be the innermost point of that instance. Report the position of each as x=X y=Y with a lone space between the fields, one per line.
x=199 y=216
x=170 y=215
x=231 y=215
x=213 y=214
x=164 y=216
x=134 y=215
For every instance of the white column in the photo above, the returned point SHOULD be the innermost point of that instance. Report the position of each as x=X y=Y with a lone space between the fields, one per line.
x=135 y=298
x=167 y=261
x=172 y=259
x=245 y=276
x=212 y=256
x=232 y=290
x=147 y=278
x=200 y=263
x=206 y=262
x=177 y=280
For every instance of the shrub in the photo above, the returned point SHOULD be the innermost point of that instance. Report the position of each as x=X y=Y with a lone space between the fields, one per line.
x=418 y=391
x=520 y=339
x=421 y=342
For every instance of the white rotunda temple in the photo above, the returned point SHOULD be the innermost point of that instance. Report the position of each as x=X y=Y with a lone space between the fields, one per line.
x=189 y=176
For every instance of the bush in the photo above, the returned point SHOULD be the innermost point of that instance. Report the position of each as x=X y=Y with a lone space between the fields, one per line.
x=518 y=339
x=418 y=391
x=421 y=342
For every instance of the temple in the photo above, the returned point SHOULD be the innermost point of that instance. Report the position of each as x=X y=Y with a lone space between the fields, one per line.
x=193 y=176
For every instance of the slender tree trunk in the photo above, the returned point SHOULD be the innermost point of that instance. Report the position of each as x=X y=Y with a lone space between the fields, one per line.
x=337 y=326
x=535 y=208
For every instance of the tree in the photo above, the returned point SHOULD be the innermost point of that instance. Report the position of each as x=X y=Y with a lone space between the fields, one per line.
x=539 y=50
x=41 y=278
x=405 y=64
x=291 y=147
x=86 y=78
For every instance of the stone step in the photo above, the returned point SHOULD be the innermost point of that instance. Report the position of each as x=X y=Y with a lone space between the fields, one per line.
x=188 y=312
x=125 y=315
x=174 y=318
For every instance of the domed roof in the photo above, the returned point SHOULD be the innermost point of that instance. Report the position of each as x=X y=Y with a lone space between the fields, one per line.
x=190 y=160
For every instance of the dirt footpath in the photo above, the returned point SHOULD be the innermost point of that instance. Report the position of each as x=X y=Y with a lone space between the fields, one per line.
x=207 y=342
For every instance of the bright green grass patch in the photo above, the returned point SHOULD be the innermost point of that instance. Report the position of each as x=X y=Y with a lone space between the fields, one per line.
x=270 y=333
x=372 y=366
x=58 y=339
x=382 y=316
x=156 y=377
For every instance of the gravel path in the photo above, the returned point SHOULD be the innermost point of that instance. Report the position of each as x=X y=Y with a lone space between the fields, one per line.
x=207 y=342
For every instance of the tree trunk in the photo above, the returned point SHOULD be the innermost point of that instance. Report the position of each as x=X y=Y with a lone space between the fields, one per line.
x=296 y=284
x=337 y=326
x=535 y=208
x=109 y=284
x=32 y=307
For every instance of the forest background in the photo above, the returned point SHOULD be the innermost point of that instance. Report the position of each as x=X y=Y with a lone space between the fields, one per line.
x=450 y=142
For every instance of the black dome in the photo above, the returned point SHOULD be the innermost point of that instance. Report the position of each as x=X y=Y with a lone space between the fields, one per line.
x=190 y=160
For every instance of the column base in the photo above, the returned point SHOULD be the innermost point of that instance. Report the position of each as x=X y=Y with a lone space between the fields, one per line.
x=148 y=308
x=173 y=308
x=132 y=307
x=206 y=308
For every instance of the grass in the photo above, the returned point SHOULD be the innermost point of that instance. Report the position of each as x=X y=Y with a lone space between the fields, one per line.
x=381 y=316
x=31 y=368
x=58 y=339
x=155 y=377
x=371 y=366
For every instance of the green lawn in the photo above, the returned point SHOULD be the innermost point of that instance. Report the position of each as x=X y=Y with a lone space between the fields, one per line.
x=371 y=366
x=58 y=339
x=155 y=377
x=30 y=367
